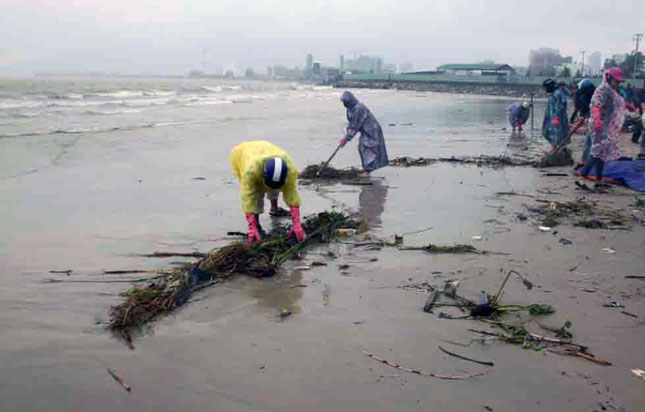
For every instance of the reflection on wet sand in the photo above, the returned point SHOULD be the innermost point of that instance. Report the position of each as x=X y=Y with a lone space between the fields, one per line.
x=280 y=291
x=371 y=202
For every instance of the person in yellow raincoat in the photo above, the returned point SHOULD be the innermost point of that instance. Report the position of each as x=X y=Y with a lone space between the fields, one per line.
x=263 y=168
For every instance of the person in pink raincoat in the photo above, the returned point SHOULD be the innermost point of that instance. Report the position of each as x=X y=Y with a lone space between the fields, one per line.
x=605 y=124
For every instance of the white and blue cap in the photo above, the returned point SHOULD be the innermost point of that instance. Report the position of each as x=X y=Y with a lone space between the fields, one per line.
x=275 y=172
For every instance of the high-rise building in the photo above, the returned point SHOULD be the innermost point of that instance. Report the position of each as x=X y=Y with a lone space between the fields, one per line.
x=310 y=63
x=342 y=64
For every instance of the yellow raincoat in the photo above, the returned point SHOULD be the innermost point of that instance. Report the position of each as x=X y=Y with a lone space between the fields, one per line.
x=247 y=162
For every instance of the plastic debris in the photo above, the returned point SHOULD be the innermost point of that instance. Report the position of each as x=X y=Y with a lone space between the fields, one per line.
x=639 y=372
x=544 y=229
x=609 y=250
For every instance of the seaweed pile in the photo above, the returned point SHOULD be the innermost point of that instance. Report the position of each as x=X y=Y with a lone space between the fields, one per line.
x=479 y=161
x=161 y=296
x=328 y=173
x=562 y=158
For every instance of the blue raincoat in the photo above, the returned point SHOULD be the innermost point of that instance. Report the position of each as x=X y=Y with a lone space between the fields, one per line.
x=518 y=114
x=556 y=107
x=371 y=145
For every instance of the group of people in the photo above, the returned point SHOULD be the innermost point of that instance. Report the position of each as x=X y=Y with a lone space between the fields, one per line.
x=606 y=109
x=264 y=169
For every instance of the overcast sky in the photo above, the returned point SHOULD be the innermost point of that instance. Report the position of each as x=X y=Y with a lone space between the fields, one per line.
x=170 y=36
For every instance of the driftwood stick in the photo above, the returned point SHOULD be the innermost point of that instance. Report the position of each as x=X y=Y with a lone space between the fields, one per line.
x=447 y=352
x=422 y=372
x=174 y=254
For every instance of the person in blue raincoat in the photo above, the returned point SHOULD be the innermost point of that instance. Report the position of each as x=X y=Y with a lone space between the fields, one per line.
x=518 y=114
x=371 y=145
x=555 y=127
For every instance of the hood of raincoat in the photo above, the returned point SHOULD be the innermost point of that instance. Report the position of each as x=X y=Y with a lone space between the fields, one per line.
x=349 y=100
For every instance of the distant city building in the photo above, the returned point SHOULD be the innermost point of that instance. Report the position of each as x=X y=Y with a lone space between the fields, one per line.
x=406 y=68
x=594 y=64
x=269 y=71
x=543 y=61
x=248 y=73
x=315 y=68
x=365 y=64
x=477 y=69
x=389 y=68
x=282 y=72
x=342 y=64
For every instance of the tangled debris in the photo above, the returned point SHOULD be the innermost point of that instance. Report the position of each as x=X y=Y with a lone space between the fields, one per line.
x=329 y=173
x=490 y=310
x=164 y=294
x=586 y=213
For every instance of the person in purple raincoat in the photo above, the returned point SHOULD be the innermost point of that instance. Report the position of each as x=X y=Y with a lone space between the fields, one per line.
x=371 y=144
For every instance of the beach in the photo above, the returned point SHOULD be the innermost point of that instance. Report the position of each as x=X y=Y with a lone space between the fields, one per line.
x=94 y=172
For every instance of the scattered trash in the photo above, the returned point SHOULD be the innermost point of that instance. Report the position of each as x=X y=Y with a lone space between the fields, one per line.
x=64 y=272
x=346 y=232
x=343 y=266
x=477 y=238
x=614 y=304
x=634 y=277
x=565 y=241
x=284 y=312
x=544 y=229
x=119 y=380
x=639 y=372
x=587 y=212
x=608 y=250
x=304 y=267
x=199 y=178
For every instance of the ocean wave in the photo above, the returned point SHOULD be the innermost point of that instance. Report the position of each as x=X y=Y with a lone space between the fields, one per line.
x=159 y=93
x=97 y=130
x=112 y=112
x=121 y=94
x=214 y=89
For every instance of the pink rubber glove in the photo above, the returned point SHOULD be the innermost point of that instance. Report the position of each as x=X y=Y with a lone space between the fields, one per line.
x=254 y=233
x=597 y=119
x=296 y=226
x=342 y=142
x=556 y=121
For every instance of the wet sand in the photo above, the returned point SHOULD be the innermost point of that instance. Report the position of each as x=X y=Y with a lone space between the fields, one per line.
x=228 y=350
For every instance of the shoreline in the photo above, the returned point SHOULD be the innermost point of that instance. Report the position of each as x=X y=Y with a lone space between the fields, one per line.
x=506 y=90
